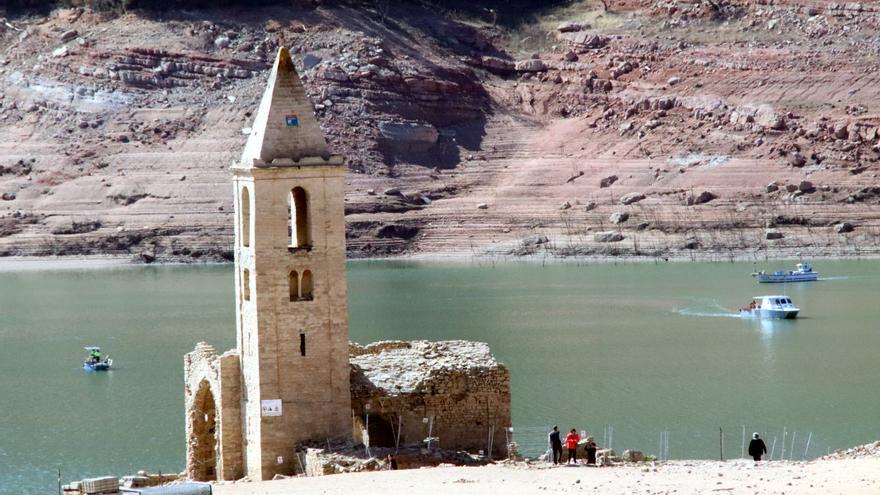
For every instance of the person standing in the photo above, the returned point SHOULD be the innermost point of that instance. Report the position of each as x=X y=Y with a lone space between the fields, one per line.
x=555 y=444
x=757 y=447
x=571 y=441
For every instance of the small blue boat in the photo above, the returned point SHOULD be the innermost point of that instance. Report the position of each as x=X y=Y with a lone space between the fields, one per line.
x=804 y=273
x=95 y=362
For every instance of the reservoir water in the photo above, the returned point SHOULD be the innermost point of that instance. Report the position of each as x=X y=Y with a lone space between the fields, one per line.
x=625 y=352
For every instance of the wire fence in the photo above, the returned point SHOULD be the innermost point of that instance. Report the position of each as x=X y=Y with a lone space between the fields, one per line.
x=722 y=443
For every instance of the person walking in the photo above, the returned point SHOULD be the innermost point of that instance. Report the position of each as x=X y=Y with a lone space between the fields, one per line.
x=571 y=441
x=555 y=444
x=757 y=447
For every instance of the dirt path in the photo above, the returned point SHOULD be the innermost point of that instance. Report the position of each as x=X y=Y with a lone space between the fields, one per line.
x=850 y=477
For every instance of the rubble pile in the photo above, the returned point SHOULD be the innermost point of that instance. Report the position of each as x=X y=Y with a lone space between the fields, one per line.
x=320 y=461
x=869 y=450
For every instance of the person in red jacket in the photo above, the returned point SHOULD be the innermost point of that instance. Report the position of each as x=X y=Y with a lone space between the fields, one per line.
x=571 y=442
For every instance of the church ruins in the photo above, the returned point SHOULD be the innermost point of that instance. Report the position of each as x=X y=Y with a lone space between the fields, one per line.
x=293 y=378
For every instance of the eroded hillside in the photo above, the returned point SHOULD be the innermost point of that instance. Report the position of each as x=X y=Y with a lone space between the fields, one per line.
x=658 y=129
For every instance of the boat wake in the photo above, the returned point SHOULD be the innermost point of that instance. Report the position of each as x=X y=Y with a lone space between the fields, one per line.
x=821 y=279
x=720 y=312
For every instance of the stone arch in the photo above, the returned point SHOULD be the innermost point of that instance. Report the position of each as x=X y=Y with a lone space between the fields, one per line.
x=203 y=435
x=245 y=217
x=213 y=380
x=300 y=228
x=293 y=282
x=307 y=286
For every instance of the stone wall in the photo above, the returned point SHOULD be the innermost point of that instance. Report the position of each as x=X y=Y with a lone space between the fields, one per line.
x=213 y=414
x=457 y=385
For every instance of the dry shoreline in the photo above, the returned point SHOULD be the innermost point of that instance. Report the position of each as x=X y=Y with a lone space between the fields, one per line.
x=843 y=476
x=36 y=263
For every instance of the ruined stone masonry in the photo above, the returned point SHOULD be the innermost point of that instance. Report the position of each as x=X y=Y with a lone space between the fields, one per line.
x=288 y=382
x=458 y=386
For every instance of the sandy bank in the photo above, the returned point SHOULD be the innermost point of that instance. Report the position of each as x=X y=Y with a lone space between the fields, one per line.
x=851 y=476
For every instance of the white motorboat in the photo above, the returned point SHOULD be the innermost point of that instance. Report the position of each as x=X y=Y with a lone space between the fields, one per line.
x=779 y=307
x=803 y=273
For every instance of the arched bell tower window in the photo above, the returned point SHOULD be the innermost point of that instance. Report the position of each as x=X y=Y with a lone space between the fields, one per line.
x=246 y=284
x=245 y=217
x=306 y=286
x=294 y=286
x=299 y=228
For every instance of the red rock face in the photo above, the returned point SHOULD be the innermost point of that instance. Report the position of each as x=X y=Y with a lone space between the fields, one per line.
x=126 y=126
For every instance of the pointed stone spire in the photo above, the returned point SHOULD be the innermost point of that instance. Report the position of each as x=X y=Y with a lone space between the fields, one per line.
x=285 y=130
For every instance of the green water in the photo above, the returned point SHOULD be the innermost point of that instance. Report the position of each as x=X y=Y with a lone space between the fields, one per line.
x=642 y=348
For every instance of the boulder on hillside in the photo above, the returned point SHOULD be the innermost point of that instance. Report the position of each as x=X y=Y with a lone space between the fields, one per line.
x=583 y=40
x=531 y=65
x=497 y=65
x=767 y=117
x=571 y=27
x=69 y=35
x=618 y=217
x=222 y=42
x=806 y=186
x=703 y=197
x=844 y=228
x=771 y=187
x=607 y=181
x=410 y=136
x=602 y=85
x=665 y=103
x=608 y=236
x=631 y=198
x=840 y=130
x=763 y=115
x=798 y=160
x=535 y=240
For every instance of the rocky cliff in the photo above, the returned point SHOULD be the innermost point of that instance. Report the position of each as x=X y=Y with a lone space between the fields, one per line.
x=656 y=128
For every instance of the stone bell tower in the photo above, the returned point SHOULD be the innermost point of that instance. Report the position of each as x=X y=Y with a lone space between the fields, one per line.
x=290 y=287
